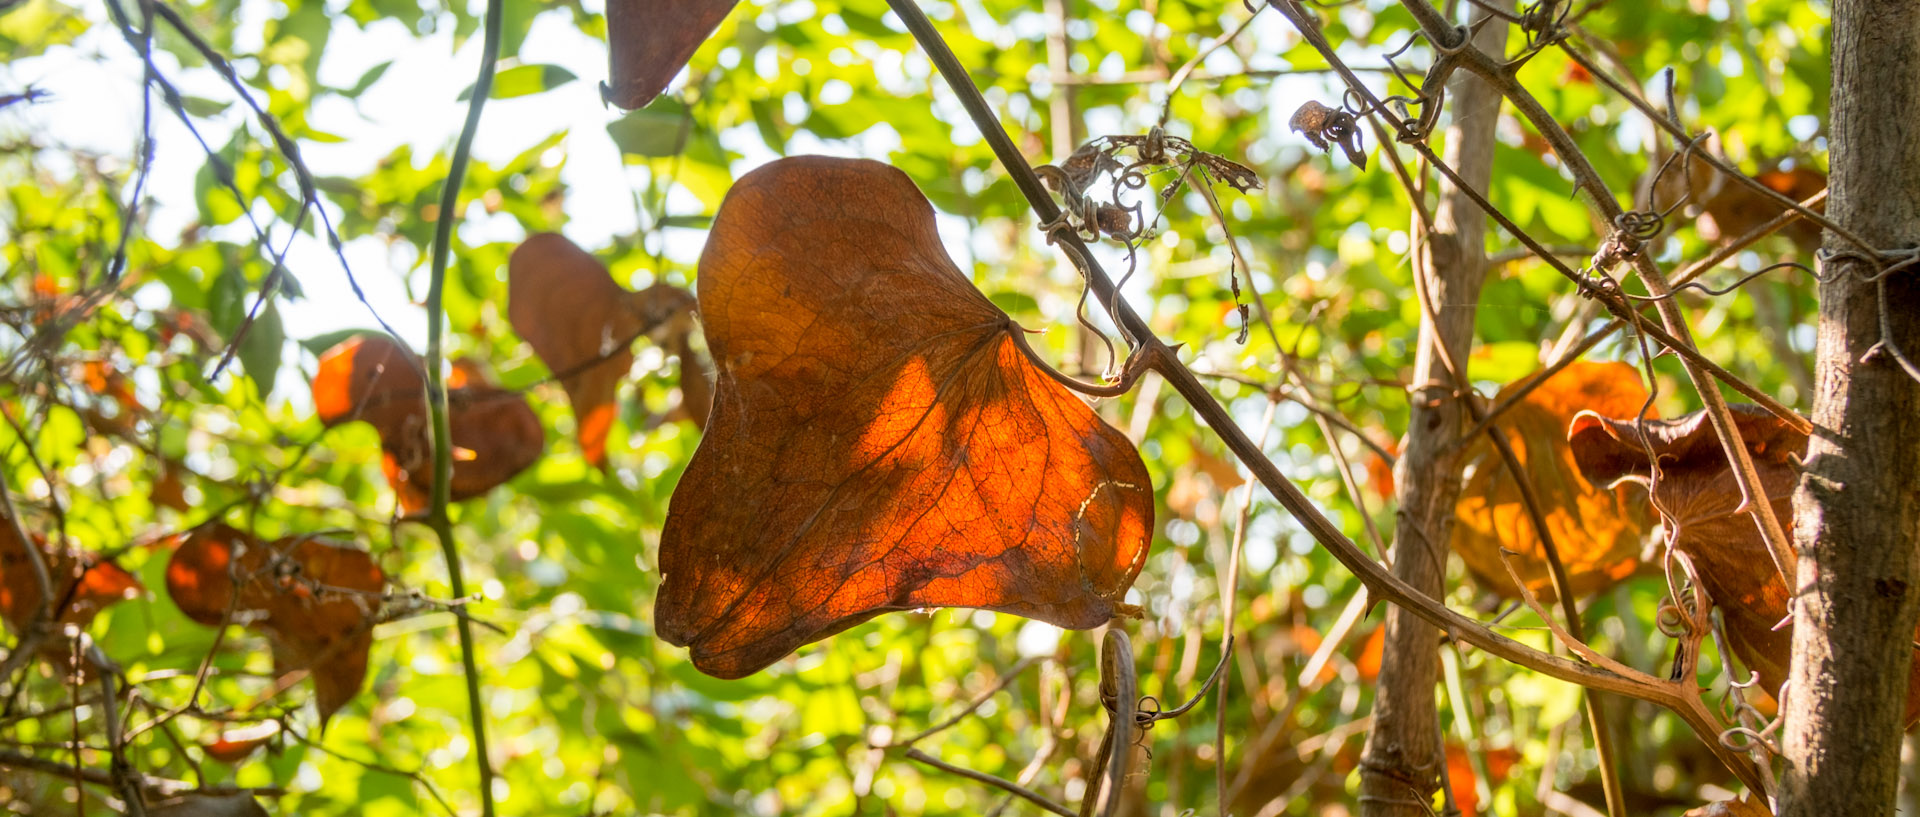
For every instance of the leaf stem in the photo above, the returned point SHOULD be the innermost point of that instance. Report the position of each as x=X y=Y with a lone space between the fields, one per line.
x=437 y=393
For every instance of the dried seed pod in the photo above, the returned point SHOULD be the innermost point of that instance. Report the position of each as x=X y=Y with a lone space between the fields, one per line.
x=1325 y=127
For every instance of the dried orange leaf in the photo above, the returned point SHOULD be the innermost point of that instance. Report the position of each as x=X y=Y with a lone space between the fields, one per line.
x=649 y=41
x=315 y=600
x=235 y=745
x=374 y=379
x=1372 y=652
x=1598 y=530
x=1696 y=496
x=87 y=583
x=583 y=325
x=1465 y=784
x=878 y=441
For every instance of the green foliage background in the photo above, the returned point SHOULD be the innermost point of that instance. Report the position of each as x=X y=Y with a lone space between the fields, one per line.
x=592 y=715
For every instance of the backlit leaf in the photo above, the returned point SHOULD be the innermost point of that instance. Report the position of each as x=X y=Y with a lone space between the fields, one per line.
x=1598 y=529
x=524 y=80
x=879 y=441
x=583 y=325
x=372 y=378
x=650 y=134
x=314 y=599
x=649 y=41
x=85 y=582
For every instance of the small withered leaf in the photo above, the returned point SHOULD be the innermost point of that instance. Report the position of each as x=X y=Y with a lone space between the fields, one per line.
x=649 y=41
x=878 y=439
x=1236 y=175
x=1087 y=163
x=1310 y=120
x=234 y=745
x=374 y=379
x=582 y=324
x=1325 y=127
x=315 y=600
x=83 y=584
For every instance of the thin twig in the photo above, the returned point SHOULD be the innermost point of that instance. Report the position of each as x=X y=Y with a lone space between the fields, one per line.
x=1180 y=76
x=1006 y=680
x=437 y=409
x=1000 y=783
x=1229 y=601
x=158 y=786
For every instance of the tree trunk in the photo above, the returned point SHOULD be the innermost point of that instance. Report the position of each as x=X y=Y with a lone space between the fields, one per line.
x=1402 y=763
x=1858 y=505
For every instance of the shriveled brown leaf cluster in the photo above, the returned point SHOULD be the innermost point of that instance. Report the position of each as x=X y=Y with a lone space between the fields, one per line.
x=315 y=600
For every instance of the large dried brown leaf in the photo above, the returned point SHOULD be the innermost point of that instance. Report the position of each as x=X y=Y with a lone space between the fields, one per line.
x=373 y=379
x=583 y=324
x=1598 y=529
x=1698 y=500
x=314 y=599
x=878 y=441
x=649 y=41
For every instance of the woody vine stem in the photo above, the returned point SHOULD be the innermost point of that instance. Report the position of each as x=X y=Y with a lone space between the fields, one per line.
x=437 y=394
x=1161 y=358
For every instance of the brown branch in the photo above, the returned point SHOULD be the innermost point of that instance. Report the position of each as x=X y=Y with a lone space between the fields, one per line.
x=1164 y=360
x=1753 y=494
x=156 y=786
x=1001 y=783
x=1012 y=674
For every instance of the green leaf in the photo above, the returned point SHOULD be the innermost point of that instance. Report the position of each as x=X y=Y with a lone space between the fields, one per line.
x=367 y=80
x=650 y=133
x=524 y=80
x=203 y=107
x=226 y=301
x=319 y=344
x=260 y=349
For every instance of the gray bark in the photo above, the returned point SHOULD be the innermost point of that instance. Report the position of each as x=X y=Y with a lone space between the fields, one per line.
x=1858 y=505
x=1402 y=763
